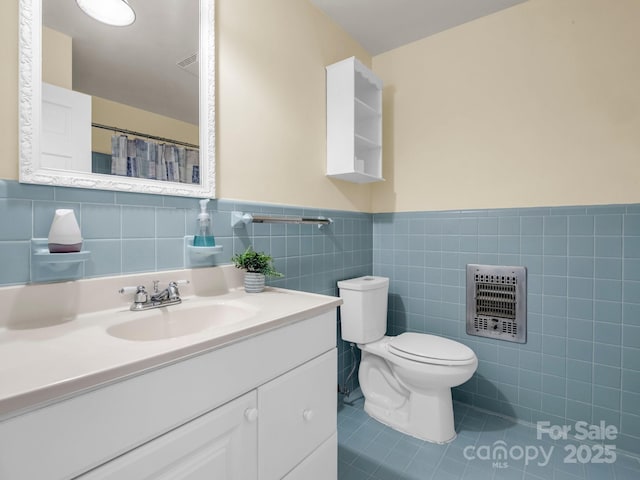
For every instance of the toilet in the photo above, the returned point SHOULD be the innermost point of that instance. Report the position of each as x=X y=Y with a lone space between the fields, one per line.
x=406 y=380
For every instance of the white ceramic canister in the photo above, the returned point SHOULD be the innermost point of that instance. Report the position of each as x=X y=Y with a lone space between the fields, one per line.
x=64 y=235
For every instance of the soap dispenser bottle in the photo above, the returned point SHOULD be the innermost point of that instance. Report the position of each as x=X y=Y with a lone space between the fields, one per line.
x=204 y=236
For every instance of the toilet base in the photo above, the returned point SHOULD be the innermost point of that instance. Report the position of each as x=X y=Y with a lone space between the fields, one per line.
x=427 y=417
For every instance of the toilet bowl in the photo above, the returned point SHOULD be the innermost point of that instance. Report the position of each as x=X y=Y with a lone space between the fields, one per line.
x=406 y=380
x=413 y=395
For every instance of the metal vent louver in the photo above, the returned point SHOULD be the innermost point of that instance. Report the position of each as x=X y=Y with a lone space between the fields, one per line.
x=497 y=302
x=190 y=64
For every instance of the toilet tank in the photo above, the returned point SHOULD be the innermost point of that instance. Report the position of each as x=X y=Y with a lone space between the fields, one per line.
x=363 y=315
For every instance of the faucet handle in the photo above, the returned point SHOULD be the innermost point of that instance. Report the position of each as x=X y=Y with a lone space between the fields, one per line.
x=175 y=283
x=174 y=293
x=140 y=292
x=141 y=295
x=127 y=290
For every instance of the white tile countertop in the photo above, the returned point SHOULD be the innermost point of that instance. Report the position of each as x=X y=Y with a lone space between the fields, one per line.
x=55 y=339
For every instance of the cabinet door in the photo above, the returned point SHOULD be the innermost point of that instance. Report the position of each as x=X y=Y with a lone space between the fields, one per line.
x=297 y=414
x=219 y=445
x=322 y=464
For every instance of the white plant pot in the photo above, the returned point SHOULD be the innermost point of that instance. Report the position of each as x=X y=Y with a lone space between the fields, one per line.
x=253 y=282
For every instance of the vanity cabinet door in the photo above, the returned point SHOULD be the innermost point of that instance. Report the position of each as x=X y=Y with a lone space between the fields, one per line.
x=298 y=412
x=220 y=445
x=322 y=464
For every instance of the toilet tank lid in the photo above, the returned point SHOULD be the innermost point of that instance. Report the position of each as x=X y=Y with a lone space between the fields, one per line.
x=367 y=282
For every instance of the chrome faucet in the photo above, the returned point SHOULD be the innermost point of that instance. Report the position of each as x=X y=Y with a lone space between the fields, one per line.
x=142 y=300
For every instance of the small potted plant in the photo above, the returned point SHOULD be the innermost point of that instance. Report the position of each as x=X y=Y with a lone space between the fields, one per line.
x=257 y=266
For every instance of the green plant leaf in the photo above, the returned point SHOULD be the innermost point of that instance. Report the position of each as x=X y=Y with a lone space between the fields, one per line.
x=257 y=262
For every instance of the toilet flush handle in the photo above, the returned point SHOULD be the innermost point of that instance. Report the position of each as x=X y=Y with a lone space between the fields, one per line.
x=307 y=415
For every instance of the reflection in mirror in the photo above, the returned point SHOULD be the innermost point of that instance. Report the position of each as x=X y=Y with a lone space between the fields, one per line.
x=118 y=108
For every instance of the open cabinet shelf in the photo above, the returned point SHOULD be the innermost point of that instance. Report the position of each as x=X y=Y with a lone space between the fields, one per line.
x=354 y=122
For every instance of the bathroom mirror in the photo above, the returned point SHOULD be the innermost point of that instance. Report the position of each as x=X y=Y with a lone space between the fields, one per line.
x=34 y=167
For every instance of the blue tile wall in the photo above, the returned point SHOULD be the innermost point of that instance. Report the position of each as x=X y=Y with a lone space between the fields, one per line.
x=131 y=233
x=582 y=358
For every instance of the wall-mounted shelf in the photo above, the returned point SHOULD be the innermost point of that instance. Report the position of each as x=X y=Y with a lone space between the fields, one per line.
x=55 y=267
x=199 y=256
x=354 y=122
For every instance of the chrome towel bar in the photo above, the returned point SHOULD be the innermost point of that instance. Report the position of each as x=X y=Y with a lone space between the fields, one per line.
x=238 y=219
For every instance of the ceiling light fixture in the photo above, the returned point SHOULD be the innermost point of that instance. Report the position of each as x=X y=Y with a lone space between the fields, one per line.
x=117 y=13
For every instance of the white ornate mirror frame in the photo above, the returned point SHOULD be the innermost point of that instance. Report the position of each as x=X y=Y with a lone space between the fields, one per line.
x=30 y=101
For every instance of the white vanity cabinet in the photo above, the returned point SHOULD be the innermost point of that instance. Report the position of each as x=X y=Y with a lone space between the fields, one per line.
x=263 y=407
x=354 y=122
x=297 y=414
x=221 y=444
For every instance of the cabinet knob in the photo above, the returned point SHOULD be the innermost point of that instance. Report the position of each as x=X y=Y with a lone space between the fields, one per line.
x=251 y=414
x=307 y=414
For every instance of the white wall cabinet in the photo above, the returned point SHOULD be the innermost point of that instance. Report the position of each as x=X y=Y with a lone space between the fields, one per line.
x=261 y=408
x=354 y=122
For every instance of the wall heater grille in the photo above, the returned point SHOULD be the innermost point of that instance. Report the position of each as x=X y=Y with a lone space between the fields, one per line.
x=497 y=302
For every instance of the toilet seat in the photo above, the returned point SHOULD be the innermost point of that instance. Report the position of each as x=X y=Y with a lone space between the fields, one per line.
x=424 y=348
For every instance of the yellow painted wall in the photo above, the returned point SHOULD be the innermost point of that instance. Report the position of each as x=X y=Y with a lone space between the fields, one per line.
x=9 y=89
x=271 y=103
x=270 y=106
x=537 y=105
x=57 y=58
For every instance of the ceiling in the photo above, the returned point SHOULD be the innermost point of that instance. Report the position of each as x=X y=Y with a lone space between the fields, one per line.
x=135 y=65
x=382 y=25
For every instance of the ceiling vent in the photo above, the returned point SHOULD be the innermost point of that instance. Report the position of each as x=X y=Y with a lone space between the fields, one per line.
x=190 y=64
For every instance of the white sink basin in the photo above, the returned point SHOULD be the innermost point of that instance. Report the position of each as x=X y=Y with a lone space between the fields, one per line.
x=177 y=321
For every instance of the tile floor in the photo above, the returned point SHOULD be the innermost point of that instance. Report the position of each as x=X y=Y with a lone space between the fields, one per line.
x=368 y=450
